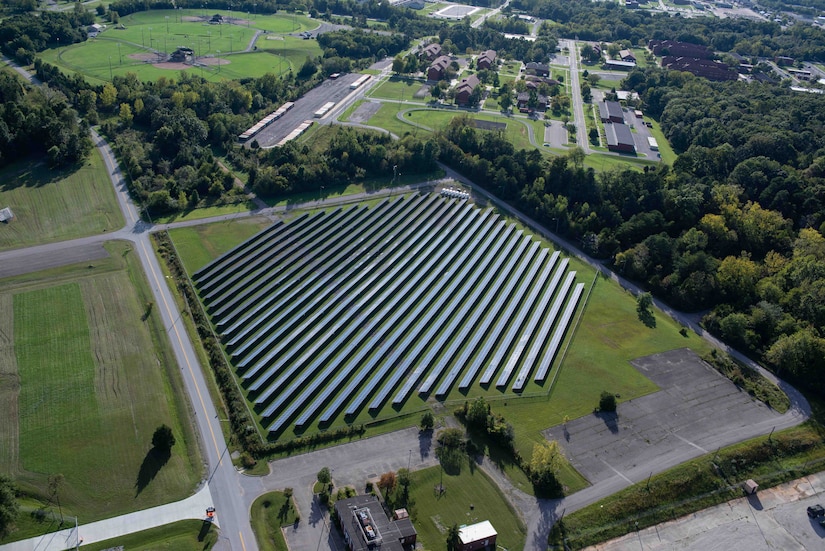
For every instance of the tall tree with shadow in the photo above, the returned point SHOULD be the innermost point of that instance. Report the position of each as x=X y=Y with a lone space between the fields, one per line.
x=162 y=441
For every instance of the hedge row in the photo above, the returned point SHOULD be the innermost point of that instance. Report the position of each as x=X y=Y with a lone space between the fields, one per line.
x=243 y=426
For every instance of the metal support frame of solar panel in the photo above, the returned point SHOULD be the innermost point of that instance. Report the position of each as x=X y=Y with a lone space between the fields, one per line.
x=410 y=299
x=413 y=379
x=471 y=329
x=235 y=289
x=343 y=372
x=505 y=319
x=550 y=353
x=277 y=310
x=211 y=287
x=526 y=305
x=481 y=326
x=234 y=254
x=476 y=269
x=259 y=309
x=546 y=323
x=492 y=227
x=527 y=330
x=474 y=307
x=282 y=344
x=274 y=295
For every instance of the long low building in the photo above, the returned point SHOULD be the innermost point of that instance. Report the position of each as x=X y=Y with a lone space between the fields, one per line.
x=619 y=138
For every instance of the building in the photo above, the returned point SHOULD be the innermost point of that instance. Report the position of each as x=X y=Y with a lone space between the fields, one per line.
x=365 y=526
x=94 y=29
x=465 y=89
x=438 y=67
x=487 y=60
x=611 y=111
x=431 y=51
x=679 y=49
x=707 y=68
x=481 y=535
x=618 y=65
x=619 y=137
x=523 y=100
x=538 y=69
x=783 y=60
x=627 y=55
x=6 y=215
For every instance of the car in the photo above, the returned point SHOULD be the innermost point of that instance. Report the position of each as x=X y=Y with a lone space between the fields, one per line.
x=815 y=511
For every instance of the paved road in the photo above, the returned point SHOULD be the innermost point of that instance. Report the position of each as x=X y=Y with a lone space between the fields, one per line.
x=576 y=93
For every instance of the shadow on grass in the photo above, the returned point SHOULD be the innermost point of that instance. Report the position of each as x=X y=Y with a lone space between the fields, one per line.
x=206 y=526
x=32 y=173
x=152 y=464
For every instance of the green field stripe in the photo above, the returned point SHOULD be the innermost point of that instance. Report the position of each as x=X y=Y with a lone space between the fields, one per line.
x=9 y=388
x=58 y=408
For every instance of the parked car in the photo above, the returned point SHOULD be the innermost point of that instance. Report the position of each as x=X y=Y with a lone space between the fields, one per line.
x=815 y=511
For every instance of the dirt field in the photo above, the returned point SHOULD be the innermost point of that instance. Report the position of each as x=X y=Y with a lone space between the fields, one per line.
x=364 y=112
x=143 y=57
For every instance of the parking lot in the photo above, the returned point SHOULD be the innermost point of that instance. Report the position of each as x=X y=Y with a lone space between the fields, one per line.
x=774 y=518
x=305 y=107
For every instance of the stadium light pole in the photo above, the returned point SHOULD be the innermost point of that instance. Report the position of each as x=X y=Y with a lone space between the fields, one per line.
x=110 y=68
x=167 y=23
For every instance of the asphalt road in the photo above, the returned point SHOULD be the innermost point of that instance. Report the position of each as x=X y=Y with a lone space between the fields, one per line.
x=578 y=103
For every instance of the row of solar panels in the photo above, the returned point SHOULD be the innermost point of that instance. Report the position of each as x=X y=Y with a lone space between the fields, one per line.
x=350 y=301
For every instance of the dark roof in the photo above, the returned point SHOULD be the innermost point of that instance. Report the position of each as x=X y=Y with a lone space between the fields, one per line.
x=618 y=134
x=487 y=56
x=676 y=48
x=441 y=62
x=713 y=70
x=390 y=532
x=611 y=109
x=467 y=83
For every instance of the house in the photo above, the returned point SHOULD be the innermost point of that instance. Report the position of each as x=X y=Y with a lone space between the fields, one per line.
x=598 y=49
x=465 y=89
x=437 y=68
x=523 y=99
x=627 y=55
x=611 y=111
x=431 y=51
x=365 y=526
x=94 y=29
x=619 y=137
x=707 y=68
x=538 y=69
x=783 y=60
x=487 y=60
x=481 y=535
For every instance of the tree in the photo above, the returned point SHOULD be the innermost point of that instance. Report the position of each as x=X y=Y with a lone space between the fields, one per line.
x=644 y=309
x=505 y=100
x=163 y=439
x=453 y=541
x=387 y=482
x=545 y=463
x=9 y=508
x=398 y=64
x=477 y=413
x=324 y=476
x=607 y=402
x=427 y=421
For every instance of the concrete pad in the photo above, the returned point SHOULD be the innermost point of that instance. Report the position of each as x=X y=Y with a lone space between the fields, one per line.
x=695 y=405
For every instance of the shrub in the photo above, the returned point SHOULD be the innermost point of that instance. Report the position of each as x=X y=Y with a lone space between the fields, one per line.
x=607 y=402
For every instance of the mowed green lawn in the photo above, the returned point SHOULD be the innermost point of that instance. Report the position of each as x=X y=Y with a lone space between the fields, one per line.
x=433 y=515
x=87 y=376
x=54 y=205
x=186 y=535
x=199 y=245
x=268 y=514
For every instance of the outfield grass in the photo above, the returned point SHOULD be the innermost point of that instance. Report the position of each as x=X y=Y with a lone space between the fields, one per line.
x=268 y=514
x=186 y=535
x=198 y=245
x=399 y=89
x=55 y=205
x=433 y=515
x=96 y=377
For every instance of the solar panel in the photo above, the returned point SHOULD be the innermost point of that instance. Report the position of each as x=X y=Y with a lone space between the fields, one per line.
x=547 y=359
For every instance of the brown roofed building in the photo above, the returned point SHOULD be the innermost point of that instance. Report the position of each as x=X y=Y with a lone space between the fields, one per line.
x=437 y=68
x=538 y=69
x=487 y=60
x=627 y=55
x=431 y=51
x=619 y=137
x=465 y=89
x=679 y=49
x=706 y=68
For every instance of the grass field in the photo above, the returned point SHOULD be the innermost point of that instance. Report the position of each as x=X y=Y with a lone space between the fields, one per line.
x=86 y=378
x=205 y=212
x=164 y=31
x=52 y=205
x=187 y=535
x=268 y=514
x=399 y=89
x=433 y=515
x=198 y=245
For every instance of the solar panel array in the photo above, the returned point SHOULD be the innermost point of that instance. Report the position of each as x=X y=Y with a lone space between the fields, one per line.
x=357 y=308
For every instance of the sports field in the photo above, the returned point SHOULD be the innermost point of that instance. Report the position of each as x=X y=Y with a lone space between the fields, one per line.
x=84 y=383
x=55 y=205
x=245 y=45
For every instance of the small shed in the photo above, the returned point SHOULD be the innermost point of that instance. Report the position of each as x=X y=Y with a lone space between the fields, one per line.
x=481 y=535
x=750 y=486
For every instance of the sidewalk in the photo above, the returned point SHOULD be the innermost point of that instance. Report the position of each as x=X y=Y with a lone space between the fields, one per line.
x=193 y=507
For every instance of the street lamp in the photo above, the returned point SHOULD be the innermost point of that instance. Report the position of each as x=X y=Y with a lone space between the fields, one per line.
x=110 y=68
x=167 y=23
